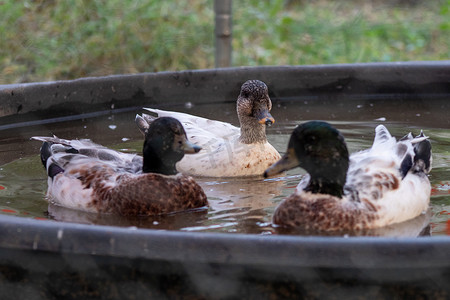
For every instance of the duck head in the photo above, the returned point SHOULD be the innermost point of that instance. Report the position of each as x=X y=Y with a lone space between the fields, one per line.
x=321 y=150
x=165 y=144
x=253 y=109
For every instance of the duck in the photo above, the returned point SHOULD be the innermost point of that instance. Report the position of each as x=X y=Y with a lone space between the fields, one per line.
x=89 y=177
x=383 y=185
x=228 y=151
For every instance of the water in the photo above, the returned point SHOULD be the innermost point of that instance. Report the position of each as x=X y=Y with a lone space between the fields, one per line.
x=236 y=205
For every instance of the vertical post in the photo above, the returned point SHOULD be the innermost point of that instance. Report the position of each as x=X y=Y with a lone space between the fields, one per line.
x=222 y=10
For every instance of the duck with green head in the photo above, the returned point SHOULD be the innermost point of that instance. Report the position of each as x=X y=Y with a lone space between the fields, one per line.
x=86 y=176
x=383 y=185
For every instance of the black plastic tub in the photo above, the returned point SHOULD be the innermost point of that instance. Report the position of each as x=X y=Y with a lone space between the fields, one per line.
x=57 y=260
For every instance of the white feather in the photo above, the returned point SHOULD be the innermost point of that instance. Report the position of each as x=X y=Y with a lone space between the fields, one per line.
x=371 y=178
x=65 y=189
x=86 y=148
x=384 y=158
x=222 y=154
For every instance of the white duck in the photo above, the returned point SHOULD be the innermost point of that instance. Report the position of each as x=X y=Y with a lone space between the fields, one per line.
x=227 y=151
x=383 y=185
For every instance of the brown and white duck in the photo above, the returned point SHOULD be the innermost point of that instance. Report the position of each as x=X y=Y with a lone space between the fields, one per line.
x=383 y=185
x=88 y=177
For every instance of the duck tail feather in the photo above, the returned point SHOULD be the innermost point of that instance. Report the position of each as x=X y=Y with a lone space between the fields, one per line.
x=46 y=152
x=141 y=123
x=419 y=138
x=153 y=110
x=52 y=139
x=407 y=137
x=53 y=169
x=406 y=165
x=422 y=158
x=382 y=134
x=383 y=140
x=148 y=118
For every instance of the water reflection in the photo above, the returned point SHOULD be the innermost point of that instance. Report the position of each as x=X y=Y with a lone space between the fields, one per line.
x=419 y=226
x=251 y=194
x=174 y=221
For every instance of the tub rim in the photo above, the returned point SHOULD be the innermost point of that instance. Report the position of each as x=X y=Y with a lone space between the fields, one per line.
x=224 y=248
x=413 y=79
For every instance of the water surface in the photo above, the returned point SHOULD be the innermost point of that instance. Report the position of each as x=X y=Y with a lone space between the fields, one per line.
x=239 y=205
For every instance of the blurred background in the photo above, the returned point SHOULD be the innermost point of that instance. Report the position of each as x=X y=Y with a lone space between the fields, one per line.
x=57 y=40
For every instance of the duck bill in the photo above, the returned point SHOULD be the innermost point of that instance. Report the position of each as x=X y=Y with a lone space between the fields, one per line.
x=287 y=161
x=264 y=117
x=190 y=148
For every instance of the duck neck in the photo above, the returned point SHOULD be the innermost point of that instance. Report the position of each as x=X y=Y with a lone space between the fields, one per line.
x=321 y=185
x=252 y=131
x=328 y=178
x=153 y=163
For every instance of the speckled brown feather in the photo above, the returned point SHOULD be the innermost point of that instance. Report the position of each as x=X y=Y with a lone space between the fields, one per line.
x=312 y=212
x=144 y=194
x=371 y=185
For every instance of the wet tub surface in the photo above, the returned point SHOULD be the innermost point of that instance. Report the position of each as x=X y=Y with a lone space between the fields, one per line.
x=240 y=205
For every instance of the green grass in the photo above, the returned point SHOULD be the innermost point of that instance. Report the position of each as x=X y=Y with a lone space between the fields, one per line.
x=55 y=40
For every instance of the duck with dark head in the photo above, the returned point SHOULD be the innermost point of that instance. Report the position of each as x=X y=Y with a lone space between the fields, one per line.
x=92 y=178
x=383 y=185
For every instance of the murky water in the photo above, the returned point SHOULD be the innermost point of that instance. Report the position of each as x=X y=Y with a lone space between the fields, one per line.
x=240 y=205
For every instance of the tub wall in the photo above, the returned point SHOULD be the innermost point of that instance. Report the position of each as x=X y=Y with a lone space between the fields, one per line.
x=405 y=80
